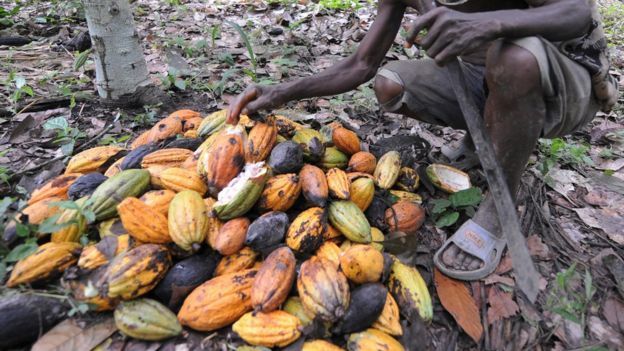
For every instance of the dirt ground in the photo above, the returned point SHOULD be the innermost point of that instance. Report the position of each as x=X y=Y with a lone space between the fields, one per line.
x=572 y=197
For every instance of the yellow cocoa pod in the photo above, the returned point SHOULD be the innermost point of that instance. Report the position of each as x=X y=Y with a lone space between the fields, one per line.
x=155 y=176
x=260 y=142
x=362 y=264
x=338 y=184
x=323 y=289
x=143 y=222
x=48 y=260
x=114 y=169
x=330 y=251
x=305 y=233
x=378 y=238
x=408 y=180
x=74 y=224
x=277 y=328
x=142 y=139
x=158 y=200
x=111 y=226
x=320 y=345
x=188 y=220
x=401 y=195
x=137 y=271
x=388 y=321
x=244 y=259
x=218 y=302
x=373 y=340
x=146 y=319
x=57 y=187
x=362 y=192
x=387 y=170
x=173 y=157
x=410 y=291
x=97 y=255
x=294 y=306
x=180 y=179
x=280 y=193
x=90 y=160
x=42 y=210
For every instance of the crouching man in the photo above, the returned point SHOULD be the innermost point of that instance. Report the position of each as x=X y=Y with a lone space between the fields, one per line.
x=536 y=68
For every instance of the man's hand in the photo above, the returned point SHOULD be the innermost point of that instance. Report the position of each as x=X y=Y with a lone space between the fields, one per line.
x=452 y=33
x=257 y=97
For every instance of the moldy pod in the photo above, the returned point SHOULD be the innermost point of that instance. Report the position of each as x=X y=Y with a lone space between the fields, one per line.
x=366 y=304
x=85 y=185
x=267 y=230
x=305 y=233
x=185 y=276
x=286 y=157
x=311 y=143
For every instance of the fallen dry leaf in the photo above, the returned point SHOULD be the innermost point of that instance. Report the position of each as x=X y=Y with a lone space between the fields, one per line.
x=537 y=248
x=69 y=336
x=610 y=221
x=456 y=299
x=495 y=278
x=613 y=311
x=502 y=305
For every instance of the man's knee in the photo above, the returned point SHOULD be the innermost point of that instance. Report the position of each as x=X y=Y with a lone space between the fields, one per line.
x=513 y=69
x=386 y=89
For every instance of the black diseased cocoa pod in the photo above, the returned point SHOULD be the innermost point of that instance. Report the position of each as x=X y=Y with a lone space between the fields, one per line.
x=184 y=143
x=133 y=158
x=267 y=231
x=185 y=276
x=286 y=157
x=366 y=304
x=24 y=317
x=316 y=148
x=85 y=185
x=376 y=213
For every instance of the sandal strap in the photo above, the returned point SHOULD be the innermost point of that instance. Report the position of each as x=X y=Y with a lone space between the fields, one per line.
x=475 y=240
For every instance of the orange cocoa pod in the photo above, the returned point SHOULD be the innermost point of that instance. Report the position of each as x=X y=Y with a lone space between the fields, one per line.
x=405 y=216
x=158 y=200
x=223 y=161
x=166 y=128
x=274 y=280
x=143 y=223
x=260 y=142
x=57 y=187
x=314 y=185
x=346 y=140
x=173 y=157
x=231 y=237
x=244 y=259
x=362 y=161
x=338 y=184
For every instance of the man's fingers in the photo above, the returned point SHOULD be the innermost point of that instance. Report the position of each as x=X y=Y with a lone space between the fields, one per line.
x=241 y=101
x=446 y=55
x=419 y=24
x=438 y=46
x=432 y=35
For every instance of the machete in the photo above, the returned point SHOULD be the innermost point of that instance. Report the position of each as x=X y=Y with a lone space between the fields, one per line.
x=525 y=273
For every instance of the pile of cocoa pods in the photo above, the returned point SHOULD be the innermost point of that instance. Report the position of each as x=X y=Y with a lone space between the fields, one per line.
x=266 y=226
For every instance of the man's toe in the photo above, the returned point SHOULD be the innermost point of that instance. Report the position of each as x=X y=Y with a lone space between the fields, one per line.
x=450 y=255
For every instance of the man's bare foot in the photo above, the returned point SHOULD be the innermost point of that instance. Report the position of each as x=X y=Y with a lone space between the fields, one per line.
x=454 y=257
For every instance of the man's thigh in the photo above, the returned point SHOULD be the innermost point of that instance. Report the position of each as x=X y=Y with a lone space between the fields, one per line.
x=427 y=91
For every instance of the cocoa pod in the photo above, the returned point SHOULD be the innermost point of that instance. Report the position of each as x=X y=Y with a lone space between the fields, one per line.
x=85 y=185
x=137 y=271
x=92 y=159
x=286 y=157
x=323 y=289
x=362 y=161
x=405 y=216
x=231 y=237
x=223 y=161
x=108 y=195
x=314 y=185
x=338 y=184
x=143 y=222
x=280 y=193
x=277 y=328
x=267 y=231
x=260 y=142
x=188 y=220
x=47 y=261
x=372 y=339
x=243 y=259
x=366 y=304
x=305 y=233
x=57 y=187
x=180 y=179
x=218 y=302
x=173 y=157
x=388 y=321
x=159 y=200
x=362 y=264
x=311 y=143
x=350 y=221
x=387 y=170
x=362 y=192
x=346 y=140
x=146 y=319
x=274 y=280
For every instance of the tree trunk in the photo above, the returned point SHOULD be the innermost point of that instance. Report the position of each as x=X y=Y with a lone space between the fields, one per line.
x=121 y=71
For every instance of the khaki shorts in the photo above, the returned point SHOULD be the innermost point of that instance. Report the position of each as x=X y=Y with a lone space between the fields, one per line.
x=570 y=103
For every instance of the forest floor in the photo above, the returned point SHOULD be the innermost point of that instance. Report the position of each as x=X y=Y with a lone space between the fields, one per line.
x=202 y=53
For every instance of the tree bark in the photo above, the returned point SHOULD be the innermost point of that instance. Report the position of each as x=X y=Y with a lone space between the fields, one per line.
x=121 y=71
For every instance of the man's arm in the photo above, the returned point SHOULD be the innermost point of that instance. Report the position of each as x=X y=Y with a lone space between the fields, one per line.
x=345 y=75
x=452 y=33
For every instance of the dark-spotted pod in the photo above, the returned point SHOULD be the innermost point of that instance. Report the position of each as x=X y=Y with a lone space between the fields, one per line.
x=366 y=304
x=267 y=231
x=85 y=185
